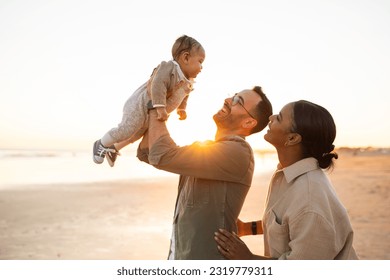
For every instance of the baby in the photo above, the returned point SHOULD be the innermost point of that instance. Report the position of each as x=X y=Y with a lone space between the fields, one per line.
x=168 y=89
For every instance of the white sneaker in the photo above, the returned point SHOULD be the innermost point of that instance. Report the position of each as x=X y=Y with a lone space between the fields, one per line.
x=99 y=152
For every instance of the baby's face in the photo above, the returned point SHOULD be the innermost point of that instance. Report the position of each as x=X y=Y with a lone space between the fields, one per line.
x=193 y=65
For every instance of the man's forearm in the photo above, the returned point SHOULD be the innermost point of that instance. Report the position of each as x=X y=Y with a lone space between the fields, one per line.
x=143 y=148
x=156 y=128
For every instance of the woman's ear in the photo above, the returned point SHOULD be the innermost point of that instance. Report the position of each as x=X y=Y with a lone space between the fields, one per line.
x=293 y=139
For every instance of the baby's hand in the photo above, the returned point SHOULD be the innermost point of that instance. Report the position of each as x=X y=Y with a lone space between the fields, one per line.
x=162 y=114
x=182 y=114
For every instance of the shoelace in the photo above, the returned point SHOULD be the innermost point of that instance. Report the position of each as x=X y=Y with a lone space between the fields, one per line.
x=102 y=151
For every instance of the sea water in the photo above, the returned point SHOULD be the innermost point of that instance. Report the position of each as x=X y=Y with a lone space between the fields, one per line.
x=37 y=167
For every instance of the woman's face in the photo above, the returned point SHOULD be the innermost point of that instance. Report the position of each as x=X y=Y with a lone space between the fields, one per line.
x=280 y=126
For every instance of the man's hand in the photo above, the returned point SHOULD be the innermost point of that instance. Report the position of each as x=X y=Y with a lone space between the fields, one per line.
x=162 y=114
x=156 y=130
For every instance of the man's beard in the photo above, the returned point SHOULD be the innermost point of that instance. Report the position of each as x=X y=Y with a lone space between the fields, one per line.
x=223 y=122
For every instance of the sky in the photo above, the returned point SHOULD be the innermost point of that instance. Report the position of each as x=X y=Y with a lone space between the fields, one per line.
x=67 y=67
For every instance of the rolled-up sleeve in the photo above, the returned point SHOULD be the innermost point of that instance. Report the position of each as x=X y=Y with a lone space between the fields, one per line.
x=143 y=154
x=220 y=160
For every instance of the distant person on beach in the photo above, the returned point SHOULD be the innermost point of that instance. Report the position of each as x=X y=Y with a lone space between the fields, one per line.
x=303 y=217
x=215 y=176
x=168 y=88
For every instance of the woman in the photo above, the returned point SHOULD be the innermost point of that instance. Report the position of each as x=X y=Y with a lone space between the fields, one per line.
x=303 y=217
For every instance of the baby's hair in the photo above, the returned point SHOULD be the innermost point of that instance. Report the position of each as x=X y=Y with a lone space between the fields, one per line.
x=184 y=44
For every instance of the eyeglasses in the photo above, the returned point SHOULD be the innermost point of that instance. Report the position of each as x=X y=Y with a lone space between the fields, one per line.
x=236 y=99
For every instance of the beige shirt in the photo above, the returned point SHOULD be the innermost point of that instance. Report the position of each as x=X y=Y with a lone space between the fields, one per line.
x=303 y=218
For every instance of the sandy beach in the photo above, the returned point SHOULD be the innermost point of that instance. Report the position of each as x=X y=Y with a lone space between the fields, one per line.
x=122 y=220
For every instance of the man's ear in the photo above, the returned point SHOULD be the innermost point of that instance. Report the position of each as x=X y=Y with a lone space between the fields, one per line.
x=293 y=139
x=249 y=123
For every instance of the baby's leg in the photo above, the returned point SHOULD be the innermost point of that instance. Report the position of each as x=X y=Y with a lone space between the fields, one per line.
x=134 y=119
x=126 y=131
x=134 y=138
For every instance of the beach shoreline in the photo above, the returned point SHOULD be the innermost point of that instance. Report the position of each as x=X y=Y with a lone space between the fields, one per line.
x=131 y=219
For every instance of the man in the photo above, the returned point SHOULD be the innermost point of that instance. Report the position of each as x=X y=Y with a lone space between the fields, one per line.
x=214 y=176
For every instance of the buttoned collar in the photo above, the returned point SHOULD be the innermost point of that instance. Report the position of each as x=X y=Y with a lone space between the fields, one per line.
x=300 y=167
x=181 y=74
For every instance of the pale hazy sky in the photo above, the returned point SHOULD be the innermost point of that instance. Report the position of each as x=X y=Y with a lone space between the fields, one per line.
x=67 y=67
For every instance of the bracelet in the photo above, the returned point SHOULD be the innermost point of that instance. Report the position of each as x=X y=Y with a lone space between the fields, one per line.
x=254 y=228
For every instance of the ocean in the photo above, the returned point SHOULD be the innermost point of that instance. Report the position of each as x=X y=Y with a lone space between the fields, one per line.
x=37 y=167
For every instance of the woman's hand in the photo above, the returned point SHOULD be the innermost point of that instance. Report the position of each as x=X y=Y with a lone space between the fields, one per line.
x=231 y=246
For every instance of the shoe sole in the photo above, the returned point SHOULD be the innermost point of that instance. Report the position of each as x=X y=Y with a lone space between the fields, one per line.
x=96 y=161
x=110 y=162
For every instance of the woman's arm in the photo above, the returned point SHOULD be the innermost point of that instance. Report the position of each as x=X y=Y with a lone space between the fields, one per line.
x=249 y=228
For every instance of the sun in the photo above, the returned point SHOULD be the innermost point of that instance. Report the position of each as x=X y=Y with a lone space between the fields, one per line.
x=190 y=130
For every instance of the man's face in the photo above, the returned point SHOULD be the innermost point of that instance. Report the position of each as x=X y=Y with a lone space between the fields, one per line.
x=233 y=113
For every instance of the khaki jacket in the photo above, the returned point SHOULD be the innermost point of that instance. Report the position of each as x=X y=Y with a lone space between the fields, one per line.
x=214 y=180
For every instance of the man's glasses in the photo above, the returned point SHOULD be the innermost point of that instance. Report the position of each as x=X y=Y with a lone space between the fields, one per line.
x=236 y=99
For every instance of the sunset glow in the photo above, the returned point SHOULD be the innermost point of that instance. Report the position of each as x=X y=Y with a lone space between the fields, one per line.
x=67 y=67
